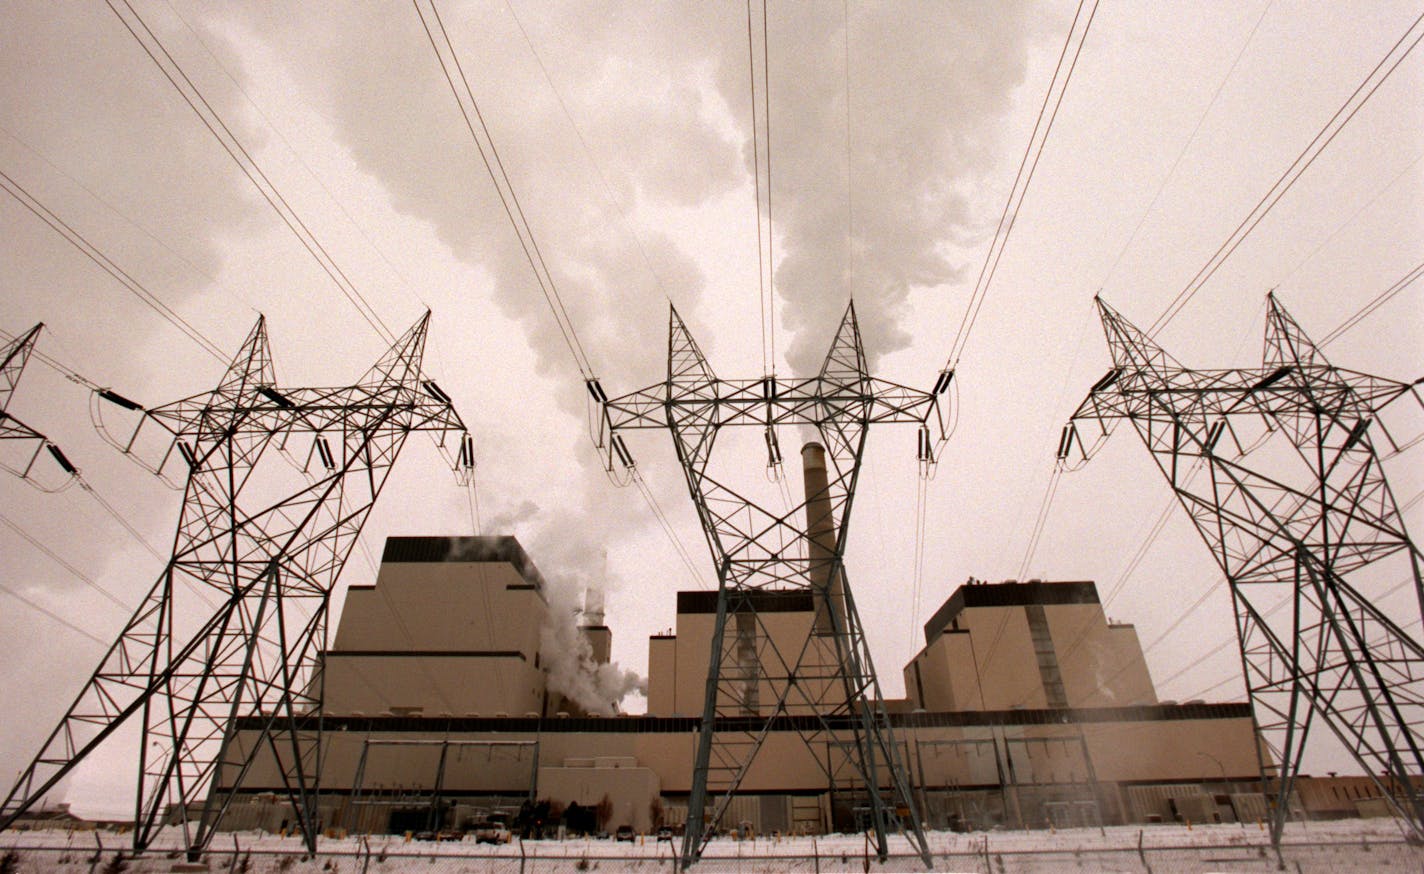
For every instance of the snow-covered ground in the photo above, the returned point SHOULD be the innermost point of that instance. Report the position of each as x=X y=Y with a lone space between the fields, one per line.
x=1341 y=846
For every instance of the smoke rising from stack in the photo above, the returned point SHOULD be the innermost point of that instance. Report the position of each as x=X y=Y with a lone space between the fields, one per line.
x=574 y=672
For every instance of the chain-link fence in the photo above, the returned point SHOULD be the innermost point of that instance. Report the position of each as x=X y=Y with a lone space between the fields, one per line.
x=978 y=855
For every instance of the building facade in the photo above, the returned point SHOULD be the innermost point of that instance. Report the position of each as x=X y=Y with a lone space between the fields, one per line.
x=1025 y=708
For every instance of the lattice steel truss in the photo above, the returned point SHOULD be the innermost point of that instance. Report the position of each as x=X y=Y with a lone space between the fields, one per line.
x=824 y=687
x=1318 y=533
x=22 y=445
x=271 y=555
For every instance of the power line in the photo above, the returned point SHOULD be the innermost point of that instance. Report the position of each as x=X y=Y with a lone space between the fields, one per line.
x=509 y=199
x=1027 y=167
x=1297 y=168
x=588 y=152
x=666 y=524
x=80 y=242
x=1191 y=138
x=52 y=615
x=1383 y=298
x=174 y=73
x=503 y=187
x=75 y=572
x=756 y=174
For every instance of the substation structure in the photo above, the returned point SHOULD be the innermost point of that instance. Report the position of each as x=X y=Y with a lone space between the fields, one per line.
x=235 y=624
x=1309 y=538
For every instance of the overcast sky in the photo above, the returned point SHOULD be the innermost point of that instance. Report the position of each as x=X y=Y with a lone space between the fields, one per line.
x=626 y=129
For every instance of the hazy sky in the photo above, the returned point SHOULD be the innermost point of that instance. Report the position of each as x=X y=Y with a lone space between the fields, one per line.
x=895 y=131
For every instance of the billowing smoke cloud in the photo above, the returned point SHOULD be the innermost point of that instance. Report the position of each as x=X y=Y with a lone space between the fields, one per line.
x=597 y=688
x=926 y=92
x=567 y=653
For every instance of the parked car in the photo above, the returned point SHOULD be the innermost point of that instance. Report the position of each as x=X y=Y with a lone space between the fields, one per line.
x=665 y=834
x=492 y=831
x=625 y=833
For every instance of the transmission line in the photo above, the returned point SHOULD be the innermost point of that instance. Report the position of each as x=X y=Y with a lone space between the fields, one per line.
x=1352 y=105
x=508 y=198
x=1383 y=298
x=57 y=559
x=1191 y=138
x=174 y=73
x=1028 y=164
x=479 y=132
x=28 y=602
x=767 y=356
x=80 y=242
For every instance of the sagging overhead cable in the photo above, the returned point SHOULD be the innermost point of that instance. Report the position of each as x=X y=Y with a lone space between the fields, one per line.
x=484 y=143
x=1352 y=105
x=174 y=73
x=1043 y=126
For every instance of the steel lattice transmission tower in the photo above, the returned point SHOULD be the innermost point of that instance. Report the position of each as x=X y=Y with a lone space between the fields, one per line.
x=1309 y=539
x=269 y=548
x=22 y=444
x=824 y=687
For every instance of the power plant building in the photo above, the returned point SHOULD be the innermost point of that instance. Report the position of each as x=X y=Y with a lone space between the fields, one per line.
x=1025 y=707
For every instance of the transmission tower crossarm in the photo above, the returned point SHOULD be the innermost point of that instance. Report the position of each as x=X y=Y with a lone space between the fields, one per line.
x=29 y=444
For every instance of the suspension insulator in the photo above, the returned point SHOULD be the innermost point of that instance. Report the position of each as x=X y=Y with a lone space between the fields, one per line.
x=114 y=397
x=596 y=391
x=61 y=460
x=466 y=459
x=435 y=391
x=275 y=397
x=1065 y=440
x=942 y=383
x=773 y=447
x=323 y=450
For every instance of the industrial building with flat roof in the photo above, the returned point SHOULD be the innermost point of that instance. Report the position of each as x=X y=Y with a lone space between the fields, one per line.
x=1025 y=707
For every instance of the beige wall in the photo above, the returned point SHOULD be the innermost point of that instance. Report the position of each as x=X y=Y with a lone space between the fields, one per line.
x=988 y=662
x=455 y=637
x=443 y=605
x=662 y=676
x=1102 y=665
x=436 y=685
x=1123 y=751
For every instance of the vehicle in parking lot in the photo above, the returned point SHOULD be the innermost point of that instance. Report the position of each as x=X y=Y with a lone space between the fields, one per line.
x=492 y=831
x=665 y=834
x=624 y=833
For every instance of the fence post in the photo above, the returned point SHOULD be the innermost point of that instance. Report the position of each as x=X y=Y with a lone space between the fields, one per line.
x=816 y=854
x=236 y=851
x=521 y=854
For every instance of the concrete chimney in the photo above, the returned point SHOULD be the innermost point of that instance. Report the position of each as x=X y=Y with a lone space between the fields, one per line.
x=821 y=536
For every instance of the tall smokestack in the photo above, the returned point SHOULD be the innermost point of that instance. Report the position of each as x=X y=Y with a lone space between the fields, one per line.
x=821 y=536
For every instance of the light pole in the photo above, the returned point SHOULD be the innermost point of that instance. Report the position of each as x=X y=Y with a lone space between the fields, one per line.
x=1222 y=768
